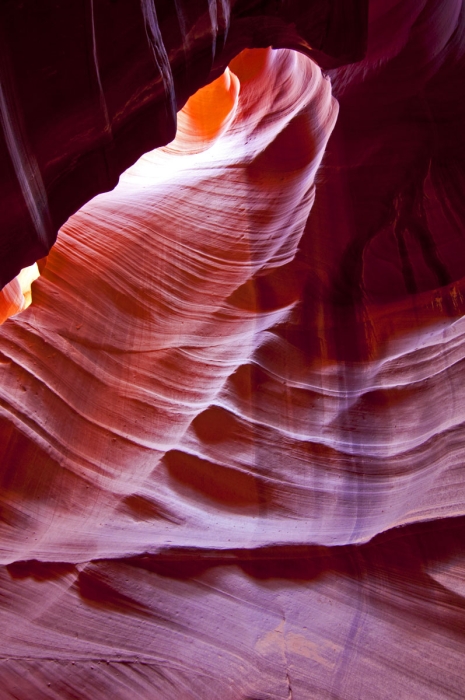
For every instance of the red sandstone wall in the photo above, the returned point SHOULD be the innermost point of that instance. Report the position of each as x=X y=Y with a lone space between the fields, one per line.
x=231 y=435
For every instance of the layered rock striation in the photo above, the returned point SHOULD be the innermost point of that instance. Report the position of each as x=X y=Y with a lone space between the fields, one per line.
x=88 y=88
x=231 y=431
x=130 y=375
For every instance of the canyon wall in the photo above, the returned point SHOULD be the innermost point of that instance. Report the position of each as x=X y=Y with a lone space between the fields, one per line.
x=231 y=432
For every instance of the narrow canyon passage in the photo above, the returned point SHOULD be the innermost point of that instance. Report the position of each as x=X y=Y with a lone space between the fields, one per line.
x=231 y=431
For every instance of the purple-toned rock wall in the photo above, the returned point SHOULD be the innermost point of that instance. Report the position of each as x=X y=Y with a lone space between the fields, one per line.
x=231 y=432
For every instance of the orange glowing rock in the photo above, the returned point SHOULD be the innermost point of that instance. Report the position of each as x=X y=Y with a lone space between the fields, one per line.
x=17 y=295
x=208 y=113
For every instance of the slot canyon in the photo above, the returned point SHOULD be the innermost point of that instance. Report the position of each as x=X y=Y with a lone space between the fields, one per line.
x=232 y=353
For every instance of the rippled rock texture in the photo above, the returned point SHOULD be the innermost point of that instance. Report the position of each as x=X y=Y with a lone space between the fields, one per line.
x=134 y=370
x=88 y=87
x=231 y=431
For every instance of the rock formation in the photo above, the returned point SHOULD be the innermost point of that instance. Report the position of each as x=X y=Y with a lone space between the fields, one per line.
x=231 y=434
x=89 y=87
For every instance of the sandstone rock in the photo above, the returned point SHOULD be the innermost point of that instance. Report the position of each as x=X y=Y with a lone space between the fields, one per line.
x=87 y=88
x=231 y=431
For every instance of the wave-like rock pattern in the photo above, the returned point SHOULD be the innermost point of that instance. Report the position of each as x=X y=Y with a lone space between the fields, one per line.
x=229 y=392
x=172 y=388
x=145 y=310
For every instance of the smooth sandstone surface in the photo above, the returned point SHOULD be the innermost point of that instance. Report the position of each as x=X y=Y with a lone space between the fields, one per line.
x=231 y=433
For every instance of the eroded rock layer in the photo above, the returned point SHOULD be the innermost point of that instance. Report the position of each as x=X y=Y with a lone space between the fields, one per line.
x=240 y=374
x=132 y=371
x=302 y=623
